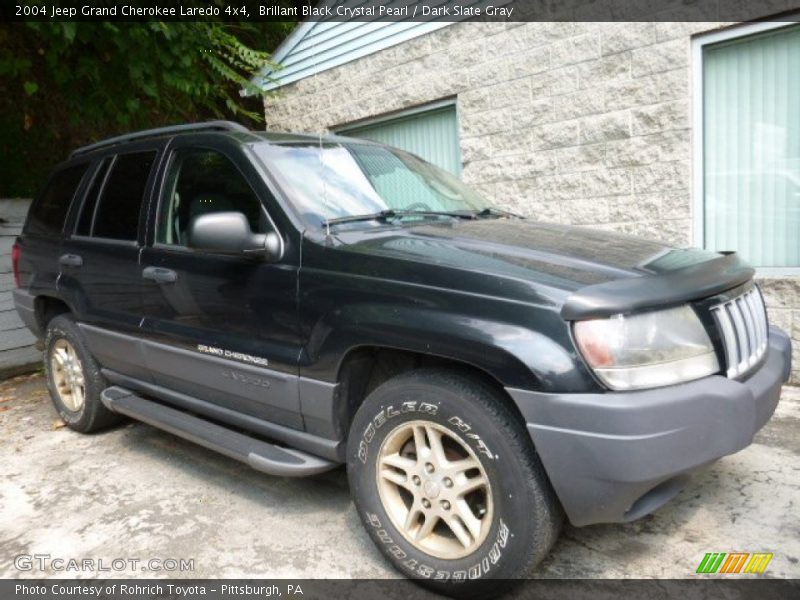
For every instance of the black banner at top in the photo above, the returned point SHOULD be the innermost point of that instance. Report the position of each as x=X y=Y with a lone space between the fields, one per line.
x=399 y=10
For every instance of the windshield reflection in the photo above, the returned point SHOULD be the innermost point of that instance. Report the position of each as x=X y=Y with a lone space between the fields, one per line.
x=334 y=180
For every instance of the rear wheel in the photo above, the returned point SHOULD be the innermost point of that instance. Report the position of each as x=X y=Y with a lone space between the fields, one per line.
x=67 y=373
x=74 y=379
x=448 y=485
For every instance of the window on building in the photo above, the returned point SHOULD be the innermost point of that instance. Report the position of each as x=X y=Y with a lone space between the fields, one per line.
x=50 y=209
x=431 y=133
x=750 y=187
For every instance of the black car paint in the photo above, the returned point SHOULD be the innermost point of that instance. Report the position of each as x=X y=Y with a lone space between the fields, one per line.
x=238 y=303
x=486 y=292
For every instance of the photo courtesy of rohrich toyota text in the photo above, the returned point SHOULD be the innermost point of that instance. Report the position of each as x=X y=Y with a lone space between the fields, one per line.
x=399 y=299
x=172 y=590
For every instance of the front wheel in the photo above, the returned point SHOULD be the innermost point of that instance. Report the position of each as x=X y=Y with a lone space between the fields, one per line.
x=446 y=481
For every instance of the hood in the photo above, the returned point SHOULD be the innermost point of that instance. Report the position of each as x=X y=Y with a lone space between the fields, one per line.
x=564 y=257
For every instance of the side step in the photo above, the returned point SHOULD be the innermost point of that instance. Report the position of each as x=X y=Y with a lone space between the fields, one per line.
x=262 y=456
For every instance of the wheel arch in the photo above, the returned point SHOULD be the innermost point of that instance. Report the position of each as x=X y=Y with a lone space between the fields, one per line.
x=347 y=344
x=46 y=308
x=365 y=367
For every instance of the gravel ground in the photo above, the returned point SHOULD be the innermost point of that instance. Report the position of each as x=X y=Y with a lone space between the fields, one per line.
x=135 y=492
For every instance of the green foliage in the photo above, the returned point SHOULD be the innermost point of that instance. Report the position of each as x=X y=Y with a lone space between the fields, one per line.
x=63 y=84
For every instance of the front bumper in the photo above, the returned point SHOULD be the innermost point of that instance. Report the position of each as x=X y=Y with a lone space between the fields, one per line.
x=618 y=456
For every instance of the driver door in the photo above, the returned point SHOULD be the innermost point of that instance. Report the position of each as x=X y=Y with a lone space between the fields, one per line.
x=220 y=328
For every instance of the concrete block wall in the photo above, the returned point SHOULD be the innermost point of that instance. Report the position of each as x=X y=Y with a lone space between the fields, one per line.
x=579 y=123
x=582 y=123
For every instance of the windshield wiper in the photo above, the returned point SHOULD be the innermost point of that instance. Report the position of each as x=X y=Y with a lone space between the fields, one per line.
x=390 y=214
x=491 y=211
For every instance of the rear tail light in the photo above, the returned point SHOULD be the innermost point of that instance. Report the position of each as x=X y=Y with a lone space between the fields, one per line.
x=16 y=252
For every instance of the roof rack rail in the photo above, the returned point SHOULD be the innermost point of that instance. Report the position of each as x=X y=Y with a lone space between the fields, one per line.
x=138 y=135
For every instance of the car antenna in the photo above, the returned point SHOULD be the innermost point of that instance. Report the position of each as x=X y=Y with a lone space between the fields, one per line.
x=321 y=157
x=324 y=187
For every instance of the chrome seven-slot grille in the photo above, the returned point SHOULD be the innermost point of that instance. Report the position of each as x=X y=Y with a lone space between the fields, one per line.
x=742 y=323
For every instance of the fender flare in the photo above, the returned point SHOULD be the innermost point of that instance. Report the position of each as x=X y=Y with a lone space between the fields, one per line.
x=516 y=356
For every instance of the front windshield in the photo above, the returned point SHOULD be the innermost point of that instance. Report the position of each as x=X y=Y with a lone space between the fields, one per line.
x=334 y=180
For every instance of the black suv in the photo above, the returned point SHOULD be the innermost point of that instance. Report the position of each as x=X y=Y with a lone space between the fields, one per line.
x=298 y=303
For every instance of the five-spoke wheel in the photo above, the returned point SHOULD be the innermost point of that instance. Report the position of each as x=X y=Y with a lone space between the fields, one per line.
x=435 y=490
x=448 y=484
x=73 y=377
x=67 y=375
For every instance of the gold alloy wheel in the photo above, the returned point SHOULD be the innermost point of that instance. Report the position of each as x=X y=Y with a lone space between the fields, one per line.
x=434 y=489
x=67 y=375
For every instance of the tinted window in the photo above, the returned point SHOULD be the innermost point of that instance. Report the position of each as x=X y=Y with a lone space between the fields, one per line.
x=47 y=215
x=200 y=182
x=117 y=214
x=87 y=210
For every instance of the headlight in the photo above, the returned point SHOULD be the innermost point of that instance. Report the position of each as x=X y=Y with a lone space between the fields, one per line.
x=647 y=350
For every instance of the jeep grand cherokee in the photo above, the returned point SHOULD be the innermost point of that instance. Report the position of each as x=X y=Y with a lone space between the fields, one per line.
x=298 y=303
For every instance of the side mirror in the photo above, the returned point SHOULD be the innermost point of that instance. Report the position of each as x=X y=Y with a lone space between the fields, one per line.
x=229 y=233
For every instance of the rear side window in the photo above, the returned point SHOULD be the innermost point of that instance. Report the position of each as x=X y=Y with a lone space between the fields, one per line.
x=47 y=214
x=116 y=216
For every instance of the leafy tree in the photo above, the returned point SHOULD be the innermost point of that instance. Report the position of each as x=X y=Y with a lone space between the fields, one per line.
x=63 y=84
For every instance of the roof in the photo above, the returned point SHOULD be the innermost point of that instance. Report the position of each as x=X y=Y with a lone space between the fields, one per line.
x=279 y=137
x=222 y=127
x=316 y=46
x=161 y=131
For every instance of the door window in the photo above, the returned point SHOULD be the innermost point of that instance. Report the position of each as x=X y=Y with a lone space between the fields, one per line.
x=199 y=182
x=114 y=201
x=90 y=203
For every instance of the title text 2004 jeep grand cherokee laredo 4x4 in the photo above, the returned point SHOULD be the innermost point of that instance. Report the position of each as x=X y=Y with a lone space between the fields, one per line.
x=297 y=303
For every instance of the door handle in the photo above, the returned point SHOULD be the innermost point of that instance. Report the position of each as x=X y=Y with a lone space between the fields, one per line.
x=70 y=260
x=160 y=274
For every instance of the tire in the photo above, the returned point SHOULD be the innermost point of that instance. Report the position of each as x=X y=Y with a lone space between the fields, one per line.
x=86 y=414
x=519 y=517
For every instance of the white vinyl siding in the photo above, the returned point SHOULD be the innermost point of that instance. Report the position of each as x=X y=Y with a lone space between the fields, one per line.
x=317 y=46
x=750 y=112
x=431 y=134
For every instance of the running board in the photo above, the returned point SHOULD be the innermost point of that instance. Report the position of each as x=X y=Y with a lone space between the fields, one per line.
x=262 y=456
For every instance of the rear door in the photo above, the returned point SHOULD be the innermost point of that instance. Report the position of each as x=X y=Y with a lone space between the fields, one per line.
x=220 y=328
x=99 y=272
x=42 y=235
